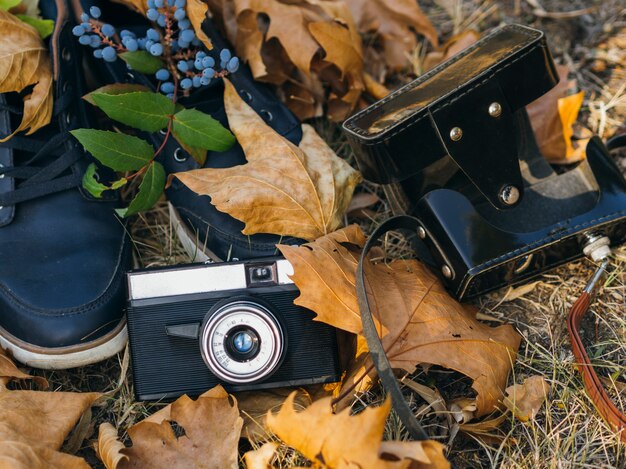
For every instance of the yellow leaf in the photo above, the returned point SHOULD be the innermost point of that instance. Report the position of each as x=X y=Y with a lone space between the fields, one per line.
x=109 y=448
x=283 y=189
x=569 y=108
x=417 y=319
x=212 y=427
x=197 y=13
x=345 y=440
x=525 y=400
x=24 y=61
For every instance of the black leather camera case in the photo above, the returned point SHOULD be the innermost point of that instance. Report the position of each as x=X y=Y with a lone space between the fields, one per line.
x=455 y=149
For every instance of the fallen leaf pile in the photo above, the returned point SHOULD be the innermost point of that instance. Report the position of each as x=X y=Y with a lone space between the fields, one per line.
x=283 y=189
x=301 y=45
x=343 y=440
x=418 y=321
x=34 y=424
x=24 y=61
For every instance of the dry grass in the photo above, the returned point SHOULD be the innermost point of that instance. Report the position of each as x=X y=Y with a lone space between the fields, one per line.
x=567 y=432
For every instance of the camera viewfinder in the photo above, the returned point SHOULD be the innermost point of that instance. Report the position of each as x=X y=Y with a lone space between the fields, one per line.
x=261 y=274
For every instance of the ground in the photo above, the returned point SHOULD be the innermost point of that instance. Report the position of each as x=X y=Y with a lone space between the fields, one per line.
x=567 y=432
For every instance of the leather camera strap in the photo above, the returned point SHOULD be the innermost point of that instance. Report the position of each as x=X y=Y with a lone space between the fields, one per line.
x=596 y=391
x=377 y=352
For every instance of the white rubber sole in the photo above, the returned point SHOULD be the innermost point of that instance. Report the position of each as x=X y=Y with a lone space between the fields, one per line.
x=190 y=240
x=65 y=357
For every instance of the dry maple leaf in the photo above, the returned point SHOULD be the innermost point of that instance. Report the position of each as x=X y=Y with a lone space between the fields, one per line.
x=525 y=400
x=283 y=189
x=345 y=440
x=211 y=425
x=24 y=61
x=417 y=319
x=395 y=21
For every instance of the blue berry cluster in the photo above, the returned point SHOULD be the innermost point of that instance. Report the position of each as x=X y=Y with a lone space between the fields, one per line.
x=172 y=39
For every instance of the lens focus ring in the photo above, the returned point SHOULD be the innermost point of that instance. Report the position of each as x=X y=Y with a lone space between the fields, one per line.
x=241 y=342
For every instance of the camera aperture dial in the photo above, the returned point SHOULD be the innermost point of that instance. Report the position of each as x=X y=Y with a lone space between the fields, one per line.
x=242 y=341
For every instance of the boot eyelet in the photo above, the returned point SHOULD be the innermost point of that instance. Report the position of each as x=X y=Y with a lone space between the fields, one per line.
x=265 y=114
x=163 y=132
x=1 y=175
x=130 y=76
x=178 y=157
x=68 y=118
x=65 y=86
x=247 y=97
x=66 y=54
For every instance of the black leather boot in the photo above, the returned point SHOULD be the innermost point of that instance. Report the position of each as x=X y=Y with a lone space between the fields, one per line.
x=63 y=254
x=205 y=232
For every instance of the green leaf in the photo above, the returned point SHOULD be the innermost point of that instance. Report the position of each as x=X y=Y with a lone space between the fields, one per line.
x=143 y=110
x=142 y=61
x=115 y=88
x=150 y=190
x=91 y=184
x=43 y=27
x=199 y=130
x=95 y=187
x=119 y=152
x=8 y=4
x=198 y=154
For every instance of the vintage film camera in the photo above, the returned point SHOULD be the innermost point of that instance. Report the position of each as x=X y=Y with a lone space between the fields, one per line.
x=196 y=326
x=456 y=151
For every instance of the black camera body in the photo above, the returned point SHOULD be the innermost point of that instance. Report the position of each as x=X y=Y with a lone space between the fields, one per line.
x=454 y=149
x=195 y=326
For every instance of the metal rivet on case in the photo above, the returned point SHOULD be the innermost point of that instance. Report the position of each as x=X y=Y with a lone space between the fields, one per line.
x=265 y=114
x=509 y=194
x=456 y=133
x=446 y=271
x=421 y=232
x=495 y=109
x=178 y=157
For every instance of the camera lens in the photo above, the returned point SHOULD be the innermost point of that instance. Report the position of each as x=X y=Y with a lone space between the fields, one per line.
x=241 y=341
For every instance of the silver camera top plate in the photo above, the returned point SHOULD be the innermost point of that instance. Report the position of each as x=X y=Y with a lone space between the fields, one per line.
x=204 y=278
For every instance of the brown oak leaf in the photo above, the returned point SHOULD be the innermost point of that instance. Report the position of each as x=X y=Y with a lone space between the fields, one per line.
x=525 y=400
x=24 y=61
x=417 y=319
x=211 y=425
x=345 y=440
x=283 y=189
x=9 y=372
